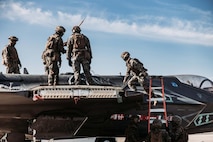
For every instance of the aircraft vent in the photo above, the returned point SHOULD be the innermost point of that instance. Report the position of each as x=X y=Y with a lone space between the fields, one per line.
x=80 y=91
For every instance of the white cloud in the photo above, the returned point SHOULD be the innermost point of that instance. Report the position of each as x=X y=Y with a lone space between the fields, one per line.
x=26 y=13
x=176 y=30
x=197 y=11
x=181 y=31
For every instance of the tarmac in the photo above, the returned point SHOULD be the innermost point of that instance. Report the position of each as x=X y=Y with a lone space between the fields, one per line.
x=201 y=137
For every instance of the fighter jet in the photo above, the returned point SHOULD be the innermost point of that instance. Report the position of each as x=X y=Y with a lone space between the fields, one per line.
x=29 y=108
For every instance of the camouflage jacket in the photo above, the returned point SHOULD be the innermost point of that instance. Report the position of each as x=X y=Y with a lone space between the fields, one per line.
x=135 y=67
x=77 y=46
x=10 y=56
x=54 y=43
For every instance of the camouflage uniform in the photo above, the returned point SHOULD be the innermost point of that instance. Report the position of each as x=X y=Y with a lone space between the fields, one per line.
x=10 y=57
x=132 y=132
x=178 y=133
x=52 y=55
x=44 y=58
x=138 y=72
x=157 y=134
x=52 y=67
x=79 y=50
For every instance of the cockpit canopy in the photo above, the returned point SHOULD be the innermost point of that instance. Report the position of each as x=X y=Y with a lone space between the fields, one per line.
x=196 y=81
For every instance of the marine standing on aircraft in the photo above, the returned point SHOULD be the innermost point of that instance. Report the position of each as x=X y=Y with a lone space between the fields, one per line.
x=136 y=69
x=10 y=56
x=52 y=55
x=79 y=53
x=135 y=72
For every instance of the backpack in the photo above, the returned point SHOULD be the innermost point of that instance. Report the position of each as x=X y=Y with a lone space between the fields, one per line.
x=79 y=41
x=51 y=42
x=138 y=65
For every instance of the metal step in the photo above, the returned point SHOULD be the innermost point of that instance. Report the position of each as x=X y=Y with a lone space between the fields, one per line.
x=157 y=110
x=156 y=87
x=71 y=91
x=162 y=120
x=157 y=99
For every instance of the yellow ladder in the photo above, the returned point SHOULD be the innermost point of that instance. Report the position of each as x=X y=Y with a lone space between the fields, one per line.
x=160 y=107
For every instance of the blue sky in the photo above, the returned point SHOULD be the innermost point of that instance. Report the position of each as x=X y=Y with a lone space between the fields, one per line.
x=169 y=37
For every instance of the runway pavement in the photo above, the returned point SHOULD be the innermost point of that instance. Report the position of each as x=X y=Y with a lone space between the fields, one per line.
x=201 y=137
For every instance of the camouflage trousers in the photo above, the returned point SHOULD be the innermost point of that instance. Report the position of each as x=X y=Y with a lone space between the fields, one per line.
x=133 y=79
x=13 y=68
x=53 y=73
x=143 y=81
x=77 y=62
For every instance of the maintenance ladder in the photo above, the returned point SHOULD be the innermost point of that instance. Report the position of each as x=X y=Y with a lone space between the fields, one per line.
x=160 y=107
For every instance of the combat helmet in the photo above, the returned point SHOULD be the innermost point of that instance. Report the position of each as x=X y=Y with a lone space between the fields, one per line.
x=134 y=116
x=176 y=120
x=60 y=29
x=125 y=55
x=13 y=38
x=76 y=29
